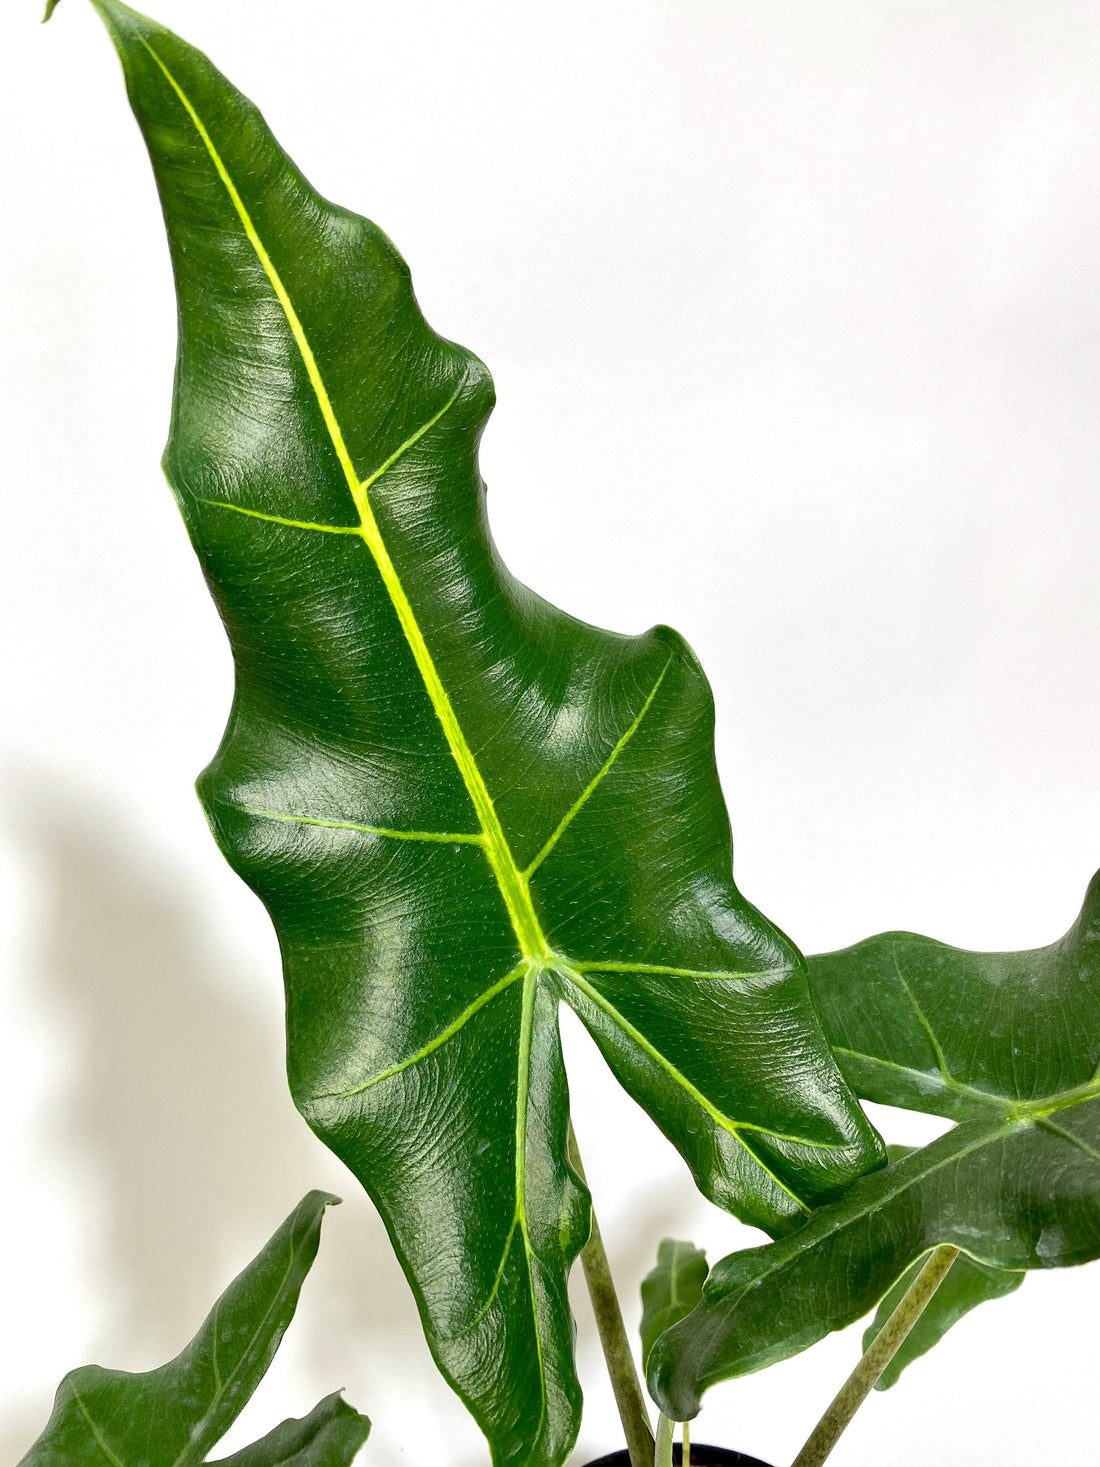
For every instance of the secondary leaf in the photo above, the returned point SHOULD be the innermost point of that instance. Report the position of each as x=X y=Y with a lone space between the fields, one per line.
x=968 y=1035
x=460 y=805
x=968 y=1284
x=329 y=1436
x=1007 y=1044
x=173 y=1416
x=671 y=1289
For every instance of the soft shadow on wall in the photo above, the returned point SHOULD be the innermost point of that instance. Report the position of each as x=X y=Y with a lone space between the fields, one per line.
x=176 y=1110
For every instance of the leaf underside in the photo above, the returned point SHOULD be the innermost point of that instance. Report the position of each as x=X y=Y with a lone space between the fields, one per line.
x=460 y=806
x=968 y=1284
x=1005 y=1044
x=175 y=1415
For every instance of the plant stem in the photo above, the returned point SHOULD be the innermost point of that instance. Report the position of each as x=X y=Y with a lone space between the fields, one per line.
x=613 y=1337
x=877 y=1357
x=685 y=1447
x=662 y=1452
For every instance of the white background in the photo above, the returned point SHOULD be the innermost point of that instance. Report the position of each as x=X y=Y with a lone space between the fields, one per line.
x=794 y=313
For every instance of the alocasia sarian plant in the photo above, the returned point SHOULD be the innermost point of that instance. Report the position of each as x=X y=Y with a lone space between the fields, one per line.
x=463 y=808
x=178 y=1413
x=460 y=805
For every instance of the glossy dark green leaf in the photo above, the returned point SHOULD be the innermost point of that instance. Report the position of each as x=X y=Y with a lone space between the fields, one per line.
x=174 y=1416
x=671 y=1289
x=967 y=1035
x=460 y=805
x=1006 y=1044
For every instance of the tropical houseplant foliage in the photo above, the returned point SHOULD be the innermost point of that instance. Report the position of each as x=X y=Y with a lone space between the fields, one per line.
x=180 y=1411
x=463 y=808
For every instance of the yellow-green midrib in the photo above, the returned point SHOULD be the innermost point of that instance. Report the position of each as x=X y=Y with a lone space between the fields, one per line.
x=510 y=880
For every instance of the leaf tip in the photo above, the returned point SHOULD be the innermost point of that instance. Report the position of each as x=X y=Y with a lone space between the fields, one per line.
x=51 y=6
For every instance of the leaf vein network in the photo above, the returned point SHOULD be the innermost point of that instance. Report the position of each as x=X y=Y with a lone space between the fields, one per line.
x=933 y=1038
x=1055 y=1130
x=196 y=1435
x=97 y=1435
x=439 y=837
x=537 y=954
x=597 y=779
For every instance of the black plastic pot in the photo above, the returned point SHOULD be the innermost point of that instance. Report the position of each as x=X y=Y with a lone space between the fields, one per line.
x=701 y=1456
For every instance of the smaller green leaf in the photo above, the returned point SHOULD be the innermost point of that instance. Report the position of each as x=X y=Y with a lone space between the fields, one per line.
x=329 y=1436
x=173 y=1416
x=1007 y=1044
x=51 y=6
x=969 y=1284
x=671 y=1289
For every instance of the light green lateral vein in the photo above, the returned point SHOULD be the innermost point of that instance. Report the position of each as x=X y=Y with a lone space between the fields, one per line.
x=196 y=1449
x=511 y=881
x=519 y=971
x=1004 y=1105
x=398 y=453
x=937 y=1047
x=499 y=1279
x=1049 y=1125
x=921 y=1078
x=439 y=837
x=276 y=519
x=766 y=973
x=725 y=1122
x=589 y=789
x=96 y=1433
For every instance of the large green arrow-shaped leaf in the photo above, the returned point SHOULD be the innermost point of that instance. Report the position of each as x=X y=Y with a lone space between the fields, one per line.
x=1006 y=1044
x=174 y=1416
x=460 y=805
